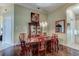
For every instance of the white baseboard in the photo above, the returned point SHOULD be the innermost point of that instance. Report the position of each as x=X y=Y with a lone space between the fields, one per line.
x=71 y=46
x=16 y=44
x=7 y=45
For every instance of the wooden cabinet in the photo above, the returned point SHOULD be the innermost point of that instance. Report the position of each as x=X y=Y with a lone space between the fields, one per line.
x=34 y=29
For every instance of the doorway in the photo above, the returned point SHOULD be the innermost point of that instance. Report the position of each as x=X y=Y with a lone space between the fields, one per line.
x=6 y=25
x=73 y=26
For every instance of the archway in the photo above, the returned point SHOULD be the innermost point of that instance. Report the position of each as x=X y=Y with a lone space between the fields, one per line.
x=72 y=30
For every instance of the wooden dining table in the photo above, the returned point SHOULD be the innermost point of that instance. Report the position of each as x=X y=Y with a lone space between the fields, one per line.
x=33 y=46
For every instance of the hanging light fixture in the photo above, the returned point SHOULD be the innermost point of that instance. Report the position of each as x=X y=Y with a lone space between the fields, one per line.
x=43 y=24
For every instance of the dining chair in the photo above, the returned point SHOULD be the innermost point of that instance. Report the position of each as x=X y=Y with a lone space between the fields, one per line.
x=34 y=45
x=57 y=43
x=34 y=48
x=41 y=46
x=54 y=43
x=24 y=47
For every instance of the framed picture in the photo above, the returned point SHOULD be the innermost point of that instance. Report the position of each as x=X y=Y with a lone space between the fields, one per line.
x=34 y=17
x=60 y=26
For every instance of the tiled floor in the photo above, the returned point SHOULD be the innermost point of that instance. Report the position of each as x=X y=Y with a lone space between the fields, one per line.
x=14 y=51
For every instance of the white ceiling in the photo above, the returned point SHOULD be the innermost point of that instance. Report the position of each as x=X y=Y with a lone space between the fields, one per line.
x=48 y=7
x=5 y=4
x=75 y=9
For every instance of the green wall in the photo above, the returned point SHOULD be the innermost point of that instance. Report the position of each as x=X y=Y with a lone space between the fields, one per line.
x=22 y=18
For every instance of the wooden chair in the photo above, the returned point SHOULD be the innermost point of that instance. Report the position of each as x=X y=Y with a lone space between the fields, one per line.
x=41 y=46
x=57 y=43
x=34 y=45
x=24 y=48
x=54 y=43
x=48 y=47
x=34 y=48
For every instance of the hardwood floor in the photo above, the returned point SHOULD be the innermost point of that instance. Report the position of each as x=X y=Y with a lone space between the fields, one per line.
x=65 y=51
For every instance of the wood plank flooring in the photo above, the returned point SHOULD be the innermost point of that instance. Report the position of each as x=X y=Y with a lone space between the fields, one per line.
x=65 y=51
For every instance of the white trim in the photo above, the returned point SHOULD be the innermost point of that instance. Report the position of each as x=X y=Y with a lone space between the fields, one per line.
x=71 y=46
x=16 y=44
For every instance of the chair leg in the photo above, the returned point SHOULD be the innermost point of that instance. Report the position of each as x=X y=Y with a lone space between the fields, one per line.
x=42 y=53
x=22 y=53
x=45 y=52
x=51 y=50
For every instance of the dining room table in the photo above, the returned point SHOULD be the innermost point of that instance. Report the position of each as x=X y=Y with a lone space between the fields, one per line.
x=33 y=45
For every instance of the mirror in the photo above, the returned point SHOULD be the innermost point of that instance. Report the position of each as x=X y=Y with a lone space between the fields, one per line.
x=60 y=26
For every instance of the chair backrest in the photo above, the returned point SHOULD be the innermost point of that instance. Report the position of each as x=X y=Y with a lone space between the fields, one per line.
x=54 y=39
x=42 y=43
x=57 y=39
x=23 y=44
x=22 y=40
x=22 y=36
